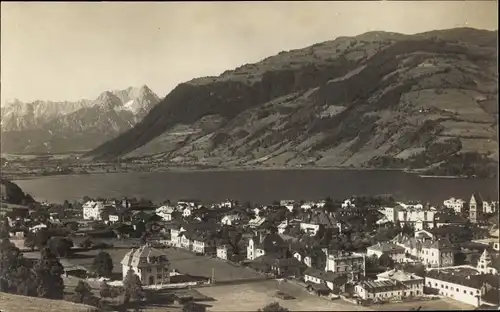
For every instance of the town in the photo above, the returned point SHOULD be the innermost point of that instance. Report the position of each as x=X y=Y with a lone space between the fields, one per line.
x=361 y=253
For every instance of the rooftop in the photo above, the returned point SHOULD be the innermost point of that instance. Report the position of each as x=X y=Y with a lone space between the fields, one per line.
x=143 y=256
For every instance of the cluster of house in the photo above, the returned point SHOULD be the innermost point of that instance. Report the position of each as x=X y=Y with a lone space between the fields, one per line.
x=270 y=244
x=278 y=252
x=419 y=217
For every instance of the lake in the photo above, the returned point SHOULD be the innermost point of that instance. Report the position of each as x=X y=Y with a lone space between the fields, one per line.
x=259 y=186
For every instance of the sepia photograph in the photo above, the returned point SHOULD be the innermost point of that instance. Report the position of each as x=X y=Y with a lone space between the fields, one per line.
x=264 y=156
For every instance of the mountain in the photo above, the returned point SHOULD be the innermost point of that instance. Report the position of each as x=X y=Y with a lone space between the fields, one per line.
x=44 y=127
x=375 y=100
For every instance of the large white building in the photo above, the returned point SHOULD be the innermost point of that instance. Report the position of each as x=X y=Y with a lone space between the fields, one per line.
x=430 y=252
x=92 y=210
x=456 y=204
x=418 y=218
x=467 y=289
x=150 y=264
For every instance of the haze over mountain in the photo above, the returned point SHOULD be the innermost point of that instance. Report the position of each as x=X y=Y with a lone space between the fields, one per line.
x=354 y=101
x=58 y=127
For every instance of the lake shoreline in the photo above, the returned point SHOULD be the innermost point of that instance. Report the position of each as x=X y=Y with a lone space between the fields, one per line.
x=188 y=169
x=257 y=186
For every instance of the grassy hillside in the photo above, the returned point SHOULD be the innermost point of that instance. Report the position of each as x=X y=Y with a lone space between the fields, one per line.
x=376 y=100
x=13 y=303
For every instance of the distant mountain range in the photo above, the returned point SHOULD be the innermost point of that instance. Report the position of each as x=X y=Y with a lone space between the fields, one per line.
x=375 y=100
x=59 y=127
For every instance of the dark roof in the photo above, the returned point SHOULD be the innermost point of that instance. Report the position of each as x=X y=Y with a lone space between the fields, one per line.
x=445 y=217
x=271 y=242
x=322 y=275
x=473 y=281
x=478 y=197
x=387 y=247
x=381 y=286
x=438 y=244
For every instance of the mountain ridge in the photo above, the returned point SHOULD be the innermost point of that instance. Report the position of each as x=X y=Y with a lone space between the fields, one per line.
x=72 y=126
x=346 y=102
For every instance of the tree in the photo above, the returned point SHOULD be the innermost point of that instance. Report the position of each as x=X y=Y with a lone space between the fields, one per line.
x=48 y=271
x=82 y=292
x=30 y=241
x=191 y=306
x=105 y=290
x=4 y=228
x=132 y=287
x=60 y=246
x=386 y=261
x=86 y=243
x=15 y=276
x=103 y=264
x=273 y=307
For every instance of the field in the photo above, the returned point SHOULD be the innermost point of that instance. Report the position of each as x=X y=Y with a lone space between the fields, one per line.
x=183 y=261
x=14 y=303
x=253 y=296
x=441 y=304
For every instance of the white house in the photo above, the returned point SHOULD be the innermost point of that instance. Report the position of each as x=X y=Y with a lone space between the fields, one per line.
x=456 y=204
x=256 y=222
x=175 y=236
x=352 y=264
x=187 y=211
x=348 y=203
x=230 y=219
x=92 y=210
x=490 y=207
x=113 y=218
x=38 y=227
x=432 y=253
x=467 y=289
x=165 y=212
x=224 y=251
x=150 y=264
x=310 y=228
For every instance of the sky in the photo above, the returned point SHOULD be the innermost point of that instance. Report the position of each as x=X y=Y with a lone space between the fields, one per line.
x=69 y=51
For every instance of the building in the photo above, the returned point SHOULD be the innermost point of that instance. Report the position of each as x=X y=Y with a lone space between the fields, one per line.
x=92 y=210
x=456 y=204
x=113 y=218
x=485 y=264
x=311 y=257
x=203 y=243
x=412 y=215
x=393 y=284
x=224 y=251
x=150 y=264
x=346 y=263
x=433 y=253
x=165 y=212
x=230 y=219
x=261 y=244
x=256 y=222
x=476 y=208
x=397 y=253
x=490 y=207
x=467 y=289
x=324 y=282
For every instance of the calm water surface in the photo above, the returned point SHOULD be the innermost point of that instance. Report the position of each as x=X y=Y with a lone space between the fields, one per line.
x=256 y=186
